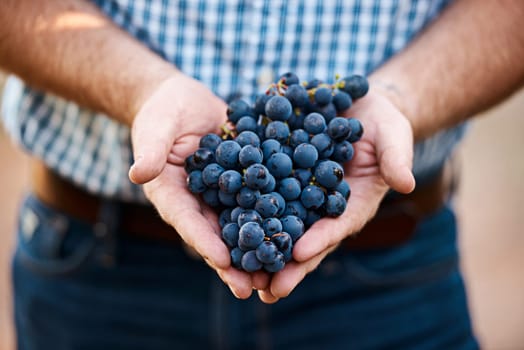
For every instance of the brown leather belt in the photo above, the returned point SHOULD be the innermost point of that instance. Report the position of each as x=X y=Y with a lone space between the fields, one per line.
x=393 y=224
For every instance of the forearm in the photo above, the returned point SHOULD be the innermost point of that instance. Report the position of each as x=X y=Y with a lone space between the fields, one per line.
x=71 y=49
x=469 y=59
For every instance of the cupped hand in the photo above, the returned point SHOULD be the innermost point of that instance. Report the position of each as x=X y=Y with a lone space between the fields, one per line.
x=383 y=160
x=165 y=131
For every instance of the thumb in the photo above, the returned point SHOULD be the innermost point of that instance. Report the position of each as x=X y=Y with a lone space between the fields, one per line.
x=152 y=141
x=395 y=156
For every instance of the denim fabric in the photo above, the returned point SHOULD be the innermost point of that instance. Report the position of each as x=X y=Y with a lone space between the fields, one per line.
x=73 y=292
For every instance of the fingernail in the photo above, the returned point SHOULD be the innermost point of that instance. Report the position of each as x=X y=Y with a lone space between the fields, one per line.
x=137 y=160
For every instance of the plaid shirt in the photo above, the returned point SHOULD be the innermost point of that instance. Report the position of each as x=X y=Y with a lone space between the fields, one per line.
x=236 y=48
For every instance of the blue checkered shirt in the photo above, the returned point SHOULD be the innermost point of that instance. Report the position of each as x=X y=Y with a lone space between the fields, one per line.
x=234 y=47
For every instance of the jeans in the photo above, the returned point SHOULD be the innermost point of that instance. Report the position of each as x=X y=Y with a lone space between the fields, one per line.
x=78 y=286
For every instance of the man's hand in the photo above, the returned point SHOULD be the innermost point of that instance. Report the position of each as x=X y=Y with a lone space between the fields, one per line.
x=165 y=131
x=382 y=160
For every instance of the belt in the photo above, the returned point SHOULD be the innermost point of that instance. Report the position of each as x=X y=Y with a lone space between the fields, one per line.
x=394 y=223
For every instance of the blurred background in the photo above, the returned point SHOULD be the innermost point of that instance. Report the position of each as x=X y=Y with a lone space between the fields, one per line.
x=490 y=207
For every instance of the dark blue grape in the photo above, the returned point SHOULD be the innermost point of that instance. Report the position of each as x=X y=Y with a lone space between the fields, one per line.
x=227 y=154
x=289 y=78
x=335 y=204
x=249 y=261
x=248 y=155
x=297 y=137
x=356 y=86
x=312 y=217
x=287 y=150
x=281 y=203
x=189 y=164
x=236 y=257
x=329 y=112
x=313 y=84
x=248 y=215
x=210 y=141
x=314 y=123
x=343 y=152
x=329 y=174
x=356 y=130
x=227 y=199
x=230 y=181
x=270 y=147
x=225 y=217
x=246 y=197
x=247 y=138
x=260 y=104
x=277 y=130
x=324 y=145
x=203 y=157
x=261 y=132
x=312 y=197
x=292 y=225
x=195 y=182
x=296 y=208
x=210 y=197
x=344 y=189
x=297 y=95
x=271 y=226
x=267 y=205
x=266 y=252
x=266 y=171
x=237 y=109
x=296 y=121
x=246 y=123
x=278 y=108
x=211 y=173
x=323 y=96
x=230 y=234
x=292 y=121
x=339 y=129
x=305 y=155
x=284 y=243
x=270 y=185
x=277 y=265
x=342 y=101
x=250 y=236
x=303 y=176
x=235 y=213
x=256 y=176
x=280 y=165
x=289 y=188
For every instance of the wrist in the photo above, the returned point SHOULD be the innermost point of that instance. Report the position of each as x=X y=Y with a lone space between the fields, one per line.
x=398 y=96
x=153 y=76
x=388 y=90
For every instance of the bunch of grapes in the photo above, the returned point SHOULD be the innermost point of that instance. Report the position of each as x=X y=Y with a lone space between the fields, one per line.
x=277 y=167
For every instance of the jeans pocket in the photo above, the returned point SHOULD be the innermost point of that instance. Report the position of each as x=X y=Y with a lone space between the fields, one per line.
x=45 y=239
x=431 y=254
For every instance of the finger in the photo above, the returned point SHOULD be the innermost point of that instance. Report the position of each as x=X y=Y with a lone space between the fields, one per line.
x=211 y=217
x=197 y=232
x=239 y=282
x=178 y=207
x=394 y=145
x=182 y=149
x=266 y=297
x=261 y=280
x=284 y=281
x=152 y=136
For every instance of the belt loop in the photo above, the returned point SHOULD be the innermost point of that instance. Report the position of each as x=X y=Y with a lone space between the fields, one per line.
x=105 y=230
